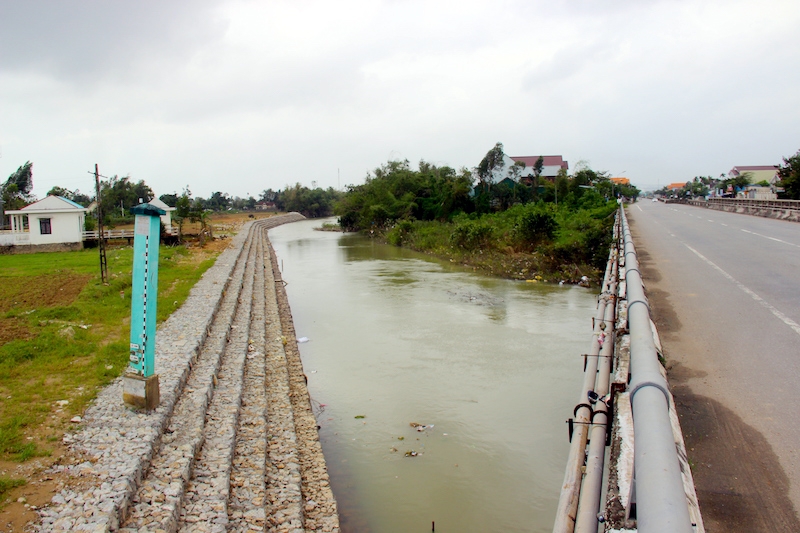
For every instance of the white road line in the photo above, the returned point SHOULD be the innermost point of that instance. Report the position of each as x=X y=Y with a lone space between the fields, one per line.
x=640 y=209
x=783 y=318
x=770 y=238
x=724 y=224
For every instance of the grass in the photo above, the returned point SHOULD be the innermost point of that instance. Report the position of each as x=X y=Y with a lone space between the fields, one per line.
x=63 y=335
x=8 y=483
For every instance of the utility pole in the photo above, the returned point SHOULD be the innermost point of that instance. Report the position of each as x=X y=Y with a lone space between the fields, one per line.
x=101 y=239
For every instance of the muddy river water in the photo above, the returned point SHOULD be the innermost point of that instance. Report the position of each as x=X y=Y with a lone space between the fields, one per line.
x=491 y=369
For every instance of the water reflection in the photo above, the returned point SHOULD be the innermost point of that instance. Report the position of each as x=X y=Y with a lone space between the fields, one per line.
x=398 y=338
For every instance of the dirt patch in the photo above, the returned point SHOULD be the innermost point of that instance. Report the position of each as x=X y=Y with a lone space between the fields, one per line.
x=13 y=328
x=19 y=506
x=740 y=483
x=58 y=289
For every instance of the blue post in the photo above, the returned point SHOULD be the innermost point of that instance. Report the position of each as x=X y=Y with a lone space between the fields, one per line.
x=140 y=387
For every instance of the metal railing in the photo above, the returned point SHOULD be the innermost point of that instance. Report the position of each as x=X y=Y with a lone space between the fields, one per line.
x=120 y=233
x=758 y=204
x=661 y=501
x=661 y=504
x=579 y=502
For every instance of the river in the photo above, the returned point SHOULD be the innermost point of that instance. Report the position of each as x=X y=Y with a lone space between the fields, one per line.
x=490 y=367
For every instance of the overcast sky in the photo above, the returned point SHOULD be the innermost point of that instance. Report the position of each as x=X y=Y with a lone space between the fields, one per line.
x=240 y=96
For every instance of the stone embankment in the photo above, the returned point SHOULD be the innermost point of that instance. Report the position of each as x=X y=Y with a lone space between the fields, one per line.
x=234 y=444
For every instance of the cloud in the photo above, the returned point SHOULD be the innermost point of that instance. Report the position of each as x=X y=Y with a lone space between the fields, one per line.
x=246 y=95
x=89 y=40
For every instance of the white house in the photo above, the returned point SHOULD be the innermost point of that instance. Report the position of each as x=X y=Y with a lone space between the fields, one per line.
x=52 y=220
x=167 y=218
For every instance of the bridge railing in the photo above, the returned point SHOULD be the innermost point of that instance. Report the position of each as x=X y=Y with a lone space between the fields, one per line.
x=793 y=205
x=661 y=500
x=661 y=504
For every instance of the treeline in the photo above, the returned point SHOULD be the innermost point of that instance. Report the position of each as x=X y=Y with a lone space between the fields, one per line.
x=119 y=194
x=509 y=227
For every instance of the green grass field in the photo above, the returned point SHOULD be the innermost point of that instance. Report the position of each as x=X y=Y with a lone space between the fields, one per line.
x=63 y=335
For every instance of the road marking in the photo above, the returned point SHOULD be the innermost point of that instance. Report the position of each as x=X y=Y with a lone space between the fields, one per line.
x=640 y=209
x=710 y=220
x=783 y=318
x=724 y=224
x=770 y=238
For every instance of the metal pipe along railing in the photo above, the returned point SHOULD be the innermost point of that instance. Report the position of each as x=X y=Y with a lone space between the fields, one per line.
x=661 y=504
x=567 y=511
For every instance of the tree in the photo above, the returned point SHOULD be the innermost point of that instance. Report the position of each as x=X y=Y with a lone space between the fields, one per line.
x=218 y=201
x=268 y=195
x=493 y=160
x=118 y=195
x=538 y=167
x=183 y=209
x=789 y=174
x=16 y=192
x=76 y=196
x=169 y=199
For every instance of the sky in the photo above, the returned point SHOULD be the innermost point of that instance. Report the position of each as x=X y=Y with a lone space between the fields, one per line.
x=242 y=96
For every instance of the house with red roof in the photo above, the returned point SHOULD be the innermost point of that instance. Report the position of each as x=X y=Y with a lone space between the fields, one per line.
x=552 y=164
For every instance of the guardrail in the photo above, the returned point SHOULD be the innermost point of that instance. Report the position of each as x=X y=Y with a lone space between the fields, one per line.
x=661 y=501
x=761 y=204
x=660 y=497
x=120 y=233
x=579 y=502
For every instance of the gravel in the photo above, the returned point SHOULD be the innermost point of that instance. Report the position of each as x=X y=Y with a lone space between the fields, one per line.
x=233 y=446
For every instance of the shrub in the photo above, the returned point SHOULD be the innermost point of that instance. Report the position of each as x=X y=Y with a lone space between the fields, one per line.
x=471 y=234
x=534 y=226
x=400 y=232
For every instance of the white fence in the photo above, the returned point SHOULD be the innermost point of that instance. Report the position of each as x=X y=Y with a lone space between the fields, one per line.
x=8 y=238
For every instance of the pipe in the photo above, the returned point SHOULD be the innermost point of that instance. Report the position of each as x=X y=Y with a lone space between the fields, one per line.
x=566 y=512
x=660 y=497
x=592 y=486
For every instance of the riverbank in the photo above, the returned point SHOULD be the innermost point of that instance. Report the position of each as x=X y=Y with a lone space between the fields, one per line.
x=533 y=267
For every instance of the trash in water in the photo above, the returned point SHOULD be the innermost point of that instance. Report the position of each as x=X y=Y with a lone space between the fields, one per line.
x=361 y=416
x=303 y=339
x=420 y=427
x=411 y=453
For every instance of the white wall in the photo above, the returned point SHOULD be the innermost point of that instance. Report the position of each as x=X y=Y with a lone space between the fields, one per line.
x=65 y=227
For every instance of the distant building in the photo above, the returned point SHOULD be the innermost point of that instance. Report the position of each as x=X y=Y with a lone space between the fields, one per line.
x=620 y=181
x=51 y=221
x=166 y=219
x=757 y=192
x=551 y=165
x=758 y=173
x=678 y=185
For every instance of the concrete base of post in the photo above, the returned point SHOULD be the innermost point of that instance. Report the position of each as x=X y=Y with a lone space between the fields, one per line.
x=141 y=392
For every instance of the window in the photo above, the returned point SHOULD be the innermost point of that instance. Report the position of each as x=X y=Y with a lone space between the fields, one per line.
x=44 y=226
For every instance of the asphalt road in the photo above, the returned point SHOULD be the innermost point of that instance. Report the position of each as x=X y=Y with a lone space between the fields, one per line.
x=725 y=294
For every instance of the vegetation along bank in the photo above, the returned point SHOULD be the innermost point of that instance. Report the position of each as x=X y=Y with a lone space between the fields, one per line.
x=533 y=229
